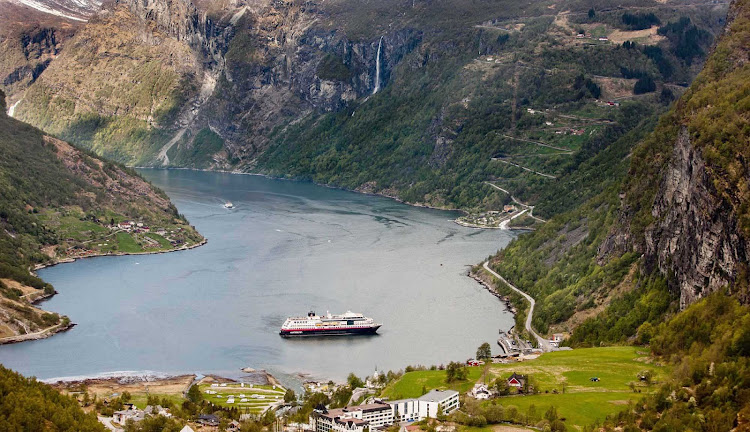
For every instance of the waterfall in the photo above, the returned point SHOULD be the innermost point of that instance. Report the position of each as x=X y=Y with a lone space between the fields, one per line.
x=12 y=109
x=377 y=67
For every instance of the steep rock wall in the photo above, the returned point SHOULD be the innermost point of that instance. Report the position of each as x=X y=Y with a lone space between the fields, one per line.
x=696 y=239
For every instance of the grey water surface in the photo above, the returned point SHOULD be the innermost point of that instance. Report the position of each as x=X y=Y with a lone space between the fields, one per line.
x=285 y=248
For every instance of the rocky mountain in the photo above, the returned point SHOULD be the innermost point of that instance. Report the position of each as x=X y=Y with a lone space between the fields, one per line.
x=29 y=40
x=279 y=66
x=388 y=97
x=78 y=10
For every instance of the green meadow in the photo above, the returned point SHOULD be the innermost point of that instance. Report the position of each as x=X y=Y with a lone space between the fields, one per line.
x=411 y=384
x=583 y=402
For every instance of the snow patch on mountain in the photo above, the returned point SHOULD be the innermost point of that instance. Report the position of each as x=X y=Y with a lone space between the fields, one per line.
x=78 y=10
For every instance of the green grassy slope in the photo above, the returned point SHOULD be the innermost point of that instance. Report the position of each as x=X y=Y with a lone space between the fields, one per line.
x=560 y=379
x=58 y=202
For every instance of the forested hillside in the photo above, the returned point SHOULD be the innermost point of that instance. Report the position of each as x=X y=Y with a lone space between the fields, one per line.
x=519 y=100
x=660 y=257
x=59 y=203
x=28 y=405
x=668 y=226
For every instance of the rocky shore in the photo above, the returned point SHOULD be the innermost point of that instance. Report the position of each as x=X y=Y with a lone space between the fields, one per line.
x=42 y=334
x=488 y=287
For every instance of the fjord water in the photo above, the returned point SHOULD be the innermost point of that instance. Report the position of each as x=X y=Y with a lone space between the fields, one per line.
x=284 y=249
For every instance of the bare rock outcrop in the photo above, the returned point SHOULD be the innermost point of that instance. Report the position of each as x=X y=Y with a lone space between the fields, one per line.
x=696 y=239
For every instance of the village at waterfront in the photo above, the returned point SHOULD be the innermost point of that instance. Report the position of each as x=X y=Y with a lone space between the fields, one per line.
x=517 y=384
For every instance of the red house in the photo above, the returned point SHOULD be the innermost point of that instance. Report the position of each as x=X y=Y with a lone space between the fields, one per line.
x=516 y=380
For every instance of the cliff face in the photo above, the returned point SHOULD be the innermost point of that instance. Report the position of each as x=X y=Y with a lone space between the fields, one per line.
x=281 y=66
x=686 y=200
x=29 y=41
x=181 y=20
x=696 y=239
x=158 y=73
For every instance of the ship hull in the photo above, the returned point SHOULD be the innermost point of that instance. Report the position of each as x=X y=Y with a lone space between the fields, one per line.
x=330 y=332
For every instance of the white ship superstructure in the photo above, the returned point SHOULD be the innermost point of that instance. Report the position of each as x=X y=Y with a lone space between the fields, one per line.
x=348 y=323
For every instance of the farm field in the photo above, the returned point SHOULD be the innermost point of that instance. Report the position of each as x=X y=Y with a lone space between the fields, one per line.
x=616 y=368
x=577 y=409
x=584 y=401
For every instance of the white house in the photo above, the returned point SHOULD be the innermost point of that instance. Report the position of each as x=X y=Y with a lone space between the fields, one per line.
x=123 y=416
x=480 y=392
x=425 y=406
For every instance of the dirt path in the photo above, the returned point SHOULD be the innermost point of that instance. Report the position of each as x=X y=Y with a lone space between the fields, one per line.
x=537 y=143
x=41 y=334
x=524 y=168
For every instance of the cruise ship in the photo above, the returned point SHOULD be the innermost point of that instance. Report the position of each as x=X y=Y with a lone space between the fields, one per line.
x=349 y=323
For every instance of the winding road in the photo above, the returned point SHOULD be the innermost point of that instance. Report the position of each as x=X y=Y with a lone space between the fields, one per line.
x=542 y=342
x=531 y=208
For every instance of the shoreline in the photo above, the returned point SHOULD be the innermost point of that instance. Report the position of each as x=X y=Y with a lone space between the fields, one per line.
x=504 y=299
x=98 y=255
x=358 y=190
x=59 y=328
x=42 y=334
x=329 y=186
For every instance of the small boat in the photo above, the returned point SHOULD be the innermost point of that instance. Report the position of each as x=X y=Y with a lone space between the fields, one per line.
x=228 y=205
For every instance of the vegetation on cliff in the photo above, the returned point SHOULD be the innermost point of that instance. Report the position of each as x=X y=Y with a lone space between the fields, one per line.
x=517 y=99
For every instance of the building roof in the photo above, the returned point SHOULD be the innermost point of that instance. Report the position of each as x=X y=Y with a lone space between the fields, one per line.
x=438 y=395
x=368 y=407
x=517 y=377
x=352 y=420
x=339 y=412
x=208 y=417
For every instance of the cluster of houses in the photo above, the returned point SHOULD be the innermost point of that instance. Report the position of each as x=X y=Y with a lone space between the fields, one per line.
x=381 y=414
x=134 y=414
x=141 y=228
x=131 y=413
x=212 y=421
x=134 y=227
x=570 y=131
x=483 y=392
